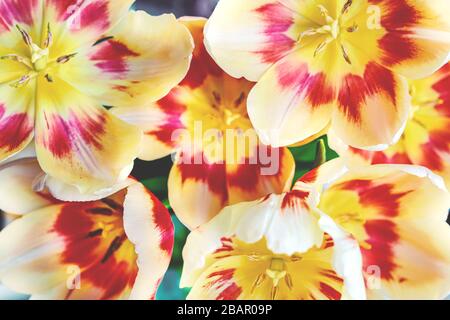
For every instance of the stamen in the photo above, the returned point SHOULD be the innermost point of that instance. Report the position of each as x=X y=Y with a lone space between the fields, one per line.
x=288 y=280
x=321 y=46
x=113 y=247
x=353 y=28
x=26 y=37
x=325 y=14
x=347 y=6
x=49 y=78
x=49 y=40
x=65 y=58
x=17 y=58
x=345 y=54
x=259 y=280
x=22 y=81
x=274 y=292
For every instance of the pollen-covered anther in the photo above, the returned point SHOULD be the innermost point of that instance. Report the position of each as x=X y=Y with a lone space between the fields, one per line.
x=23 y=80
x=65 y=58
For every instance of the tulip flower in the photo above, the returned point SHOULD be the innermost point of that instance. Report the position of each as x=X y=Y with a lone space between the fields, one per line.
x=61 y=62
x=333 y=63
x=386 y=223
x=219 y=159
x=426 y=140
x=116 y=247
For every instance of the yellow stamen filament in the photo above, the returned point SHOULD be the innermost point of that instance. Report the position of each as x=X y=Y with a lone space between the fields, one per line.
x=332 y=28
x=38 y=60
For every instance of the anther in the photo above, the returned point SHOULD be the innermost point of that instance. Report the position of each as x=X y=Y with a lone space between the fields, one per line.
x=49 y=40
x=353 y=28
x=65 y=58
x=21 y=82
x=347 y=6
x=345 y=54
x=49 y=78
x=259 y=280
x=26 y=37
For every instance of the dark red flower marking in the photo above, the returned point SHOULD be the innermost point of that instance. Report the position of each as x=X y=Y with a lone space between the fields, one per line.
x=381 y=237
x=397 y=17
x=381 y=196
x=202 y=64
x=173 y=109
x=224 y=281
x=161 y=218
x=355 y=89
x=278 y=20
x=111 y=56
x=85 y=14
x=86 y=248
x=315 y=87
x=63 y=133
x=16 y=11
x=214 y=174
x=329 y=292
x=439 y=143
x=294 y=198
x=14 y=129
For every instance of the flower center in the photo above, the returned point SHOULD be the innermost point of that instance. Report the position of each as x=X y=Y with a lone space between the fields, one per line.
x=228 y=115
x=331 y=29
x=276 y=273
x=38 y=61
x=39 y=57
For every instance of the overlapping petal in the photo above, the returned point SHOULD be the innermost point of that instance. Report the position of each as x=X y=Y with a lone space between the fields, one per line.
x=79 y=141
x=143 y=60
x=27 y=13
x=61 y=62
x=219 y=158
x=391 y=210
x=16 y=119
x=322 y=61
x=425 y=140
x=118 y=247
x=76 y=24
x=273 y=248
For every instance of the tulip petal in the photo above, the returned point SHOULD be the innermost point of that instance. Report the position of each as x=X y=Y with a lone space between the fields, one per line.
x=246 y=37
x=372 y=108
x=233 y=278
x=16 y=188
x=298 y=99
x=115 y=248
x=389 y=209
x=145 y=57
x=160 y=123
x=27 y=14
x=16 y=119
x=149 y=227
x=75 y=24
x=79 y=142
x=417 y=39
x=199 y=189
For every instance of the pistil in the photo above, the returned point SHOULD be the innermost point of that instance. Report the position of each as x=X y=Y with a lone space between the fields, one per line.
x=332 y=29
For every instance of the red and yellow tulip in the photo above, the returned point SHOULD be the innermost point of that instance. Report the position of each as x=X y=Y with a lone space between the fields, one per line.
x=54 y=82
x=317 y=63
x=117 y=247
x=320 y=240
x=219 y=158
x=426 y=140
